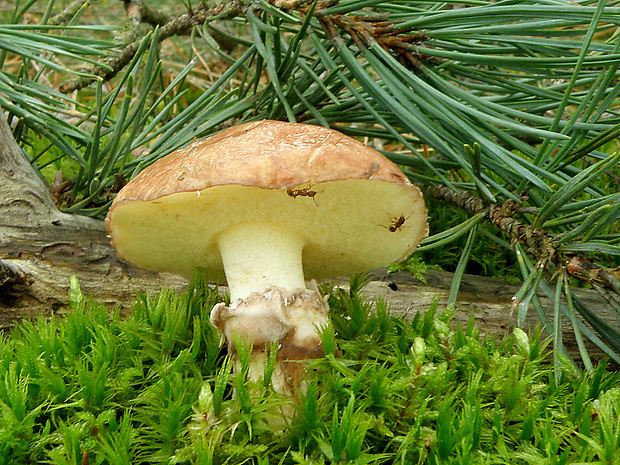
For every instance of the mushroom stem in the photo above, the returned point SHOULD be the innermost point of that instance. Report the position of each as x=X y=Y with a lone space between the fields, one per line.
x=270 y=302
x=258 y=256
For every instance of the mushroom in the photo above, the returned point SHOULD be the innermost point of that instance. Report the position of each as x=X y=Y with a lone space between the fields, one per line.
x=266 y=206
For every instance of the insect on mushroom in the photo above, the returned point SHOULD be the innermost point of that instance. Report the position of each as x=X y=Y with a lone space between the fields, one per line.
x=396 y=223
x=304 y=192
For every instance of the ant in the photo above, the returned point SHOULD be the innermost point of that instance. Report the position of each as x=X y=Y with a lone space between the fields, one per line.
x=396 y=223
x=304 y=192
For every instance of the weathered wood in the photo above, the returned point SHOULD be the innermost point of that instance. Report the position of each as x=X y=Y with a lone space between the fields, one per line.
x=487 y=300
x=41 y=248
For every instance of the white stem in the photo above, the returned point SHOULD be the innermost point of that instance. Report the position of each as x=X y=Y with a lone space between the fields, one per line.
x=259 y=256
x=270 y=302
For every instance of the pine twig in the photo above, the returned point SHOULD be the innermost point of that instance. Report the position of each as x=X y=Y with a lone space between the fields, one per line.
x=138 y=13
x=143 y=13
x=68 y=13
x=538 y=242
x=365 y=30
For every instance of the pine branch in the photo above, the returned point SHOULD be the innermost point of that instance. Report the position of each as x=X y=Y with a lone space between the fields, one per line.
x=365 y=31
x=539 y=243
x=68 y=13
x=139 y=11
x=181 y=25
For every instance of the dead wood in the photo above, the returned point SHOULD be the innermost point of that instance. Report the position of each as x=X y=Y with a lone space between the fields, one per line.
x=41 y=248
x=486 y=300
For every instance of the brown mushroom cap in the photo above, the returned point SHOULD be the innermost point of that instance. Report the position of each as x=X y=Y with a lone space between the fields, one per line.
x=352 y=207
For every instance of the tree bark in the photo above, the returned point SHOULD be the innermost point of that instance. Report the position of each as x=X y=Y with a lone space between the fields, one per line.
x=41 y=248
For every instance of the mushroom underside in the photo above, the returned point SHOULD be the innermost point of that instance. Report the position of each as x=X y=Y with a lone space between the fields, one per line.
x=346 y=227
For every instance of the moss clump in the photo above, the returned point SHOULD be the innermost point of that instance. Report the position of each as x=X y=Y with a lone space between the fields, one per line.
x=157 y=387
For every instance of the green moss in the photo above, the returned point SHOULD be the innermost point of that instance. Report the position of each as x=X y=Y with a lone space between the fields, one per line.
x=156 y=386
